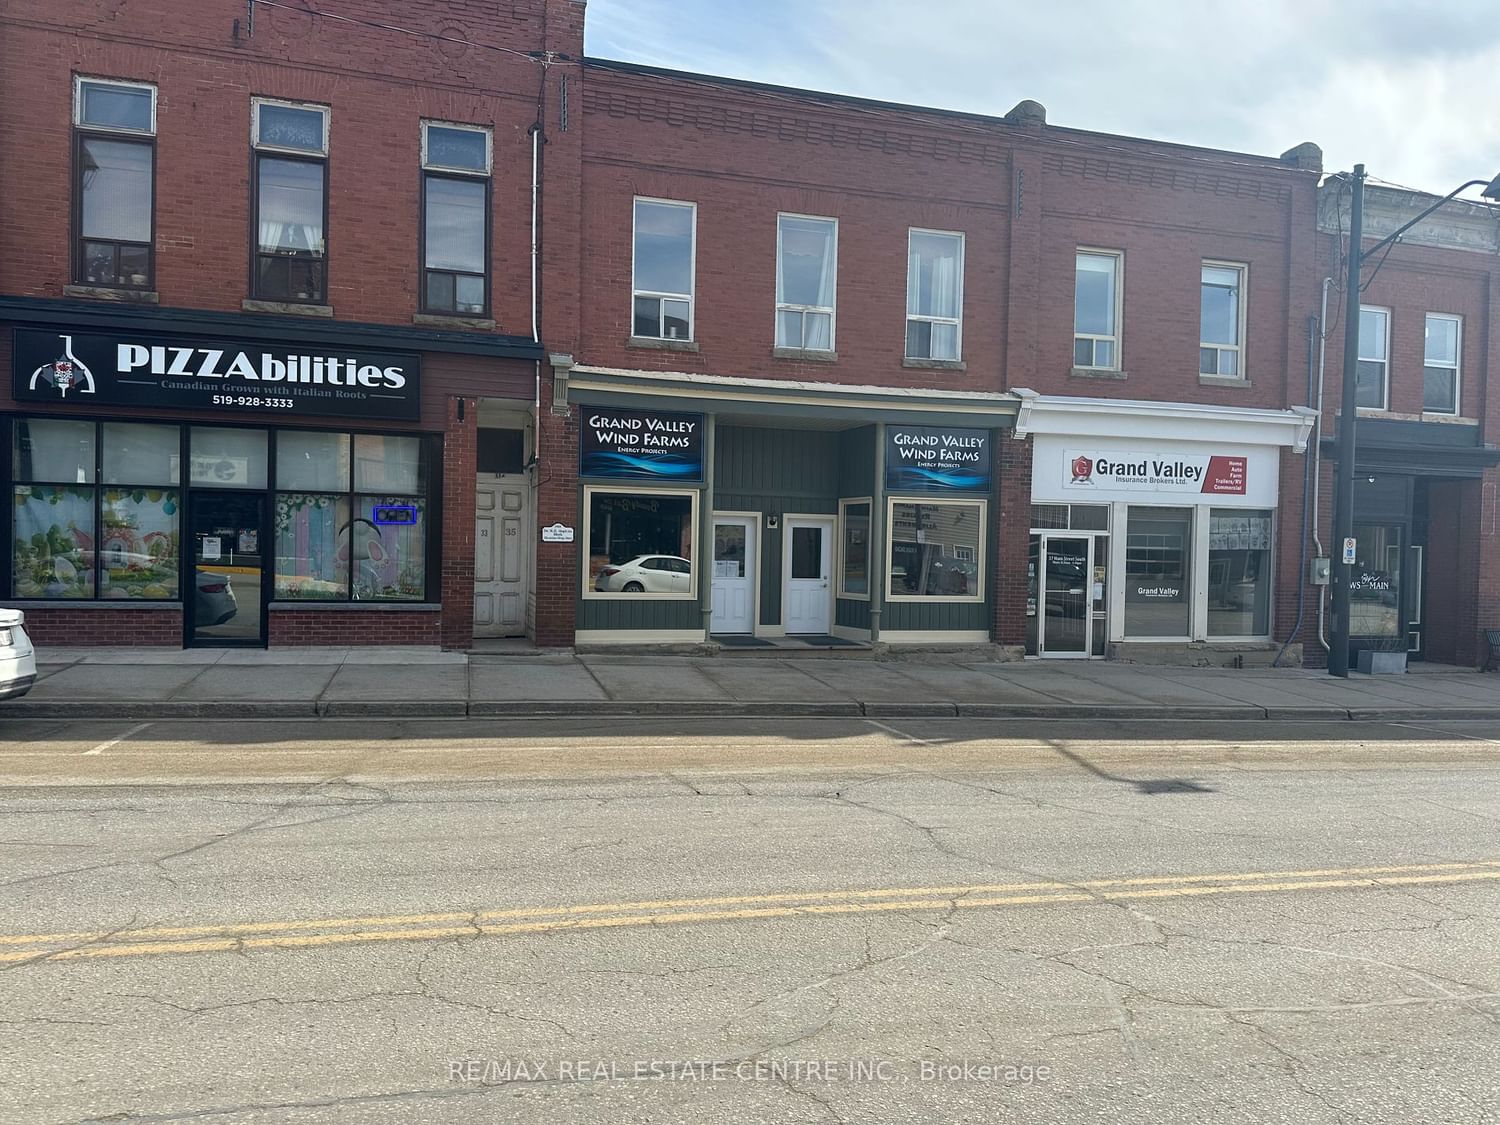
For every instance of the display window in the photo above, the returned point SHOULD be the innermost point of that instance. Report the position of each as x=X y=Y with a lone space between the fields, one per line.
x=640 y=543
x=935 y=550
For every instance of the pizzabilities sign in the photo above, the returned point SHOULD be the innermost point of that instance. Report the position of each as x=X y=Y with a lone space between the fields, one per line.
x=198 y=373
x=641 y=445
x=936 y=459
x=1217 y=475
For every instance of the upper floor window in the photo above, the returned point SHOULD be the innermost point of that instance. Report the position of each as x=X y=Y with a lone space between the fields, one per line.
x=291 y=201
x=934 y=294
x=662 y=269
x=1440 y=383
x=1373 y=371
x=806 y=281
x=1096 y=310
x=1221 y=319
x=455 y=219
x=114 y=164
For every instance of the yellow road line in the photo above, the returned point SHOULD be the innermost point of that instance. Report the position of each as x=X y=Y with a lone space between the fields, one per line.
x=218 y=941
x=947 y=892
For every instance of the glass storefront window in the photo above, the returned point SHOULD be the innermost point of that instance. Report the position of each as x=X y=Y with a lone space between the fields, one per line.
x=311 y=461
x=639 y=542
x=854 y=553
x=139 y=544
x=136 y=454
x=1375 y=582
x=54 y=450
x=312 y=546
x=1158 y=572
x=228 y=458
x=53 y=551
x=1239 y=573
x=387 y=463
x=936 y=549
x=388 y=559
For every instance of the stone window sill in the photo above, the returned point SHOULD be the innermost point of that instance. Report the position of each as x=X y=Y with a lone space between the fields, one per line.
x=1222 y=381
x=100 y=293
x=286 y=308
x=805 y=355
x=935 y=364
x=433 y=320
x=1097 y=373
x=653 y=344
x=383 y=607
x=99 y=603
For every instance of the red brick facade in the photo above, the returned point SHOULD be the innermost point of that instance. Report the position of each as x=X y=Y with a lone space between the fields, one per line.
x=1025 y=195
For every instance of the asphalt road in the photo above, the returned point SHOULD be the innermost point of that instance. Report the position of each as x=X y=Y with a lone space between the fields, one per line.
x=797 y=921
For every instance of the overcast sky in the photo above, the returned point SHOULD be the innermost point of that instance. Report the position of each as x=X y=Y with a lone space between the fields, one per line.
x=1409 y=87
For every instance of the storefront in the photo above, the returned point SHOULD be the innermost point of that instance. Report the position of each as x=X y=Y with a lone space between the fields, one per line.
x=208 y=488
x=1153 y=525
x=738 y=512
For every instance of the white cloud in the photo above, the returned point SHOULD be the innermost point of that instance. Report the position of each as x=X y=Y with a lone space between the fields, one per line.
x=1405 y=88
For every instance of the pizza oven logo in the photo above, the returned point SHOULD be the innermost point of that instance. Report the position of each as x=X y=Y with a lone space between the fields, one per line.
x=65 y=373
x=1083 y=470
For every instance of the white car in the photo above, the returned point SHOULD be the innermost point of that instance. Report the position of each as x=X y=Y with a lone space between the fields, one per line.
x=647 y=574
x=17 y=657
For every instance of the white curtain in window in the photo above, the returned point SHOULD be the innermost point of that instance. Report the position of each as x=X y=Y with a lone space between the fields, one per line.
x=932 y=269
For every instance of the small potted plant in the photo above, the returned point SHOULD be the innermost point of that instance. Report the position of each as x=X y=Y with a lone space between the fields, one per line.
x=1384 y=656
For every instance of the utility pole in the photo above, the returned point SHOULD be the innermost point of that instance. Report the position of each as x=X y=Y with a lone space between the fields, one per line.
x=1343 y=517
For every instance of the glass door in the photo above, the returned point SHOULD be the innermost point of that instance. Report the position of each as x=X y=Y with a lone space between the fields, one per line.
x=1066 y=589
x=224 y=604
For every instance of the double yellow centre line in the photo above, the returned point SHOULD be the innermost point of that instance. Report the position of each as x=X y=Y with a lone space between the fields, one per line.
x=239 y=937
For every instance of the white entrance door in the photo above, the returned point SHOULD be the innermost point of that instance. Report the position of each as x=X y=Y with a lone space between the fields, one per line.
x=734 y=575
x=502 y=564
x=808 y=567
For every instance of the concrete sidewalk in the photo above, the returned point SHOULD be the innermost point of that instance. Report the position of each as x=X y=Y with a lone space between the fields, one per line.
x=402 y=683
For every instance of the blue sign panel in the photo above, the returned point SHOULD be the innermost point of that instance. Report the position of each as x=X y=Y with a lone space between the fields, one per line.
x=641 y=445
x=397 y=515
x=936 y=459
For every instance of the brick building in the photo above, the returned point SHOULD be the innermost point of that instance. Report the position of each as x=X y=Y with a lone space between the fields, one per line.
x=266 y=293
x=603 y=354
x=1427 y=579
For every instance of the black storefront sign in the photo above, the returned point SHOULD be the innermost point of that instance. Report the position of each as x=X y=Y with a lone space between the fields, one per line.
x=653 y=445
x=936 y=459
x=200 y=373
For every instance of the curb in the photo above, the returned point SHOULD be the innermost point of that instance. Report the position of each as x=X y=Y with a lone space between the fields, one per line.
x=729 y=708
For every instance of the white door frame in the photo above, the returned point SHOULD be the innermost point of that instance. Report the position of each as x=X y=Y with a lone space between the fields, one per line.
x=751 y=522
x=1088 y=599
x=830 y=528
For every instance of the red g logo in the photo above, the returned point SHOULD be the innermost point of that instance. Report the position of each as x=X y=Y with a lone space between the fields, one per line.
x=1083 y=470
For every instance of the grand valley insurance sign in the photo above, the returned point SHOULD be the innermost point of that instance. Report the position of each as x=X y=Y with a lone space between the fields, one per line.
x=91 y=369
x=1217 y=475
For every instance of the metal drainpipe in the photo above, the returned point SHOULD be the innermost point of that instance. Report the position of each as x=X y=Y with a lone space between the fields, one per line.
x=1307 y=469
x=877 y=535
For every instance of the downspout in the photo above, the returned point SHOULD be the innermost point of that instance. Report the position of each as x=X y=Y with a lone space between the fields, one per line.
x=1317 y=457
x=536 y=336
x=1314 y=329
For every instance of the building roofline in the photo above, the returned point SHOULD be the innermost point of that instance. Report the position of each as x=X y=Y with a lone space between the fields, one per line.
x=985 y=120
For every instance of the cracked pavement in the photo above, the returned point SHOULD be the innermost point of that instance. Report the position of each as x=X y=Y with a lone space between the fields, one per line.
x=1377 y=1002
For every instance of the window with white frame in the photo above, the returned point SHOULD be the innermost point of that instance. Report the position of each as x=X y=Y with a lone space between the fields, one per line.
x=934 y=294
x=1440 y=385
x=1221 y=320
x=935 y=550
x=114 y=162
x=640 y=543
x=806 y=281
x=662 y=269
x=455 y=218
x=290 y=142
x=1373 y=369
x=1096 y=310
x=854 y=548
